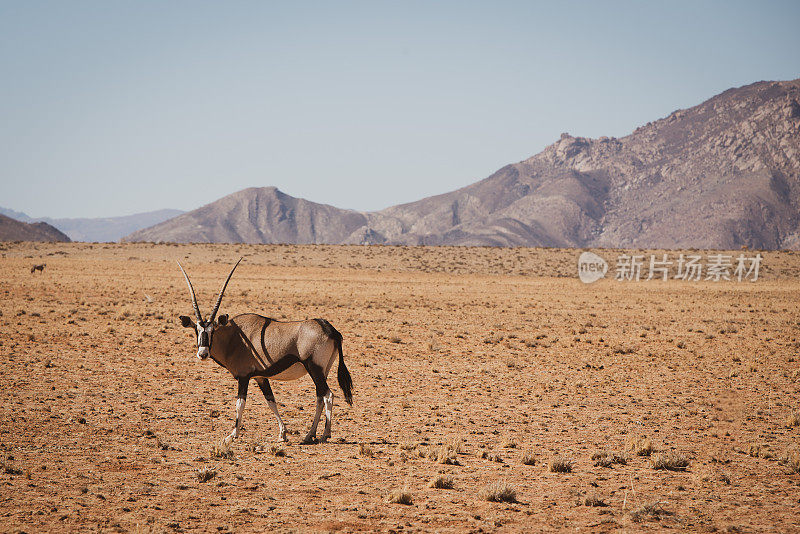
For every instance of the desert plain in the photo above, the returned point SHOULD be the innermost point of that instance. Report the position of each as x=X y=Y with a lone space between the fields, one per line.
x=494 y=372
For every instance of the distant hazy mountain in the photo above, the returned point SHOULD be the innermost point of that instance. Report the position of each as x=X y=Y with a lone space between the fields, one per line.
x=722 y=174
x=257 y=215
x=14 y=230
x=99 y=229
x=18 y=215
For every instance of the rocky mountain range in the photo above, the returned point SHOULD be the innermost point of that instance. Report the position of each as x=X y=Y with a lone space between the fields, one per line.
x=14 y=230
x=100 y=229
x=723 y=174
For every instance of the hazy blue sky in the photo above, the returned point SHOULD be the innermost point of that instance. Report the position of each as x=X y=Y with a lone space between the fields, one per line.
x=111 y=108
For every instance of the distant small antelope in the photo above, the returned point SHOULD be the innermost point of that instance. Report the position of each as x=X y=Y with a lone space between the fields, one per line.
x=39 y=268
x=253 y=346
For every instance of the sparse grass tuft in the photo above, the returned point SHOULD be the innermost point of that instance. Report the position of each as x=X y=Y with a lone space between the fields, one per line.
x=671 y=461
x=641 y=446
x=441 y=482
x=10 y=469
x=499 y=492
x=560 y=465
x=792 y=459
x=647 y=512
x=400 y=497
x=528 y=458
x=277 y=450
x=793 y=419
x=606 y=459
x=492 y=456
x=446 y=455
x=365 y=450
x=594 y=500
x=222 y=450
x=509 y=443
x=205 y=474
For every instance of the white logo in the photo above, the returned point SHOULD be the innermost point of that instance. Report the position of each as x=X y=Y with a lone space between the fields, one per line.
x=591 y=267
x=688 y=267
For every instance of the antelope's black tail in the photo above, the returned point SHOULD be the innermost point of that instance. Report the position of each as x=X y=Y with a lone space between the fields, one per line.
x=343 y=375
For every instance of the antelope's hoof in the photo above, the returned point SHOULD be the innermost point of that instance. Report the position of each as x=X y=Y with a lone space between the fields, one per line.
x=282 y=436
x=309 y=441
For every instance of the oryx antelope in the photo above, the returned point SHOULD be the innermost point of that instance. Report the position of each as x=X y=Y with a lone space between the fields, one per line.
x=253 y=346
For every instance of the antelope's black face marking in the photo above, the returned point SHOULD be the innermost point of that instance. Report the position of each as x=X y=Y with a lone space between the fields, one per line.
x=205 y=333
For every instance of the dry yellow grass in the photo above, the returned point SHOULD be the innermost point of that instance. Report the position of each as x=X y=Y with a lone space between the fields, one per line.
x=792 y=459
x=442 y=482
x=607 y=459
x=499 y=492
x=594 y=500
x=671 y=461
x=640 y=446
x=205 y=474
x=561 y=465
x=793 y=419
x=400 y=497
x=222 y=450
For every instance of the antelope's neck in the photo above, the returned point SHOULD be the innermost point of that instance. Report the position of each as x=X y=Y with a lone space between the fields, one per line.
x=221 y=344
x=233 y=349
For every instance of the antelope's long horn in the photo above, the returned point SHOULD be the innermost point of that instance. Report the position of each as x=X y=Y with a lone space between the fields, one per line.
x=194 y=297
x=222 y=292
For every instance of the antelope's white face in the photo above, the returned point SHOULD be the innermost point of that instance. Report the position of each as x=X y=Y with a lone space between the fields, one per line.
x=205 y=333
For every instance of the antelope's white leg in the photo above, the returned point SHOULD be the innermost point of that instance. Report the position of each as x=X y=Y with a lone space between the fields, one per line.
x=281 y=427
x=241 y=399
x=312 y=432
x=328 y=399
x=266 y=389
x=239 y=412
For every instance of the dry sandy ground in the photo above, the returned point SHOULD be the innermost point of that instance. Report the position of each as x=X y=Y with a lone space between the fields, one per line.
x=107 y=415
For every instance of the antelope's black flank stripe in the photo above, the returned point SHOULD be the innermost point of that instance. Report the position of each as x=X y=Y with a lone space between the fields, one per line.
x=267 y=320
x=278 y=367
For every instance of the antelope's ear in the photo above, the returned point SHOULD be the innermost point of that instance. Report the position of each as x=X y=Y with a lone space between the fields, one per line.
x=223 y=319
x=186 y=322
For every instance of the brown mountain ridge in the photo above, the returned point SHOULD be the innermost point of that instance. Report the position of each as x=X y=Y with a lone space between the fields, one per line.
x=723 y=174
x=14 y=230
